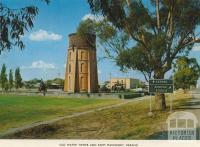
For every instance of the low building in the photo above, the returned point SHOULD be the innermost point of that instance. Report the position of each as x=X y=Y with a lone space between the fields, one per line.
x=55 y=86
x=128 y=83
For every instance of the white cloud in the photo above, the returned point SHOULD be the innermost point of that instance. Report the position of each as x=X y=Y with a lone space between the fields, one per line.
x=196 y=48
x=39 y=65
x=99 y=71
x=93 y=17
x=65 y=65
x=43 y=35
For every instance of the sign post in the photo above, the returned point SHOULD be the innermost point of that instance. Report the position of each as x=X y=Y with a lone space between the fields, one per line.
x=171 y=103
x=161 y=86
x=150 y=107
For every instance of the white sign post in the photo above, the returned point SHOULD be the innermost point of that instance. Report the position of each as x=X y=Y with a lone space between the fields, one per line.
x=150 y=106
x=171 y=103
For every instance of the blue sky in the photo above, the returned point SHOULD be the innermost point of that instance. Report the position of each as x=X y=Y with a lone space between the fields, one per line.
x=46 y=58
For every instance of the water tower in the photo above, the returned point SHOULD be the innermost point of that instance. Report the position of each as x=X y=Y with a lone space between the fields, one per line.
x=81 y=68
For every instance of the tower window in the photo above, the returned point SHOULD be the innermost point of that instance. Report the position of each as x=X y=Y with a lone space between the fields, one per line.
x=69 y=68
x=82 y=64
x=70 y=55
x=69 y=84
x=82 y=83
x=82 y=55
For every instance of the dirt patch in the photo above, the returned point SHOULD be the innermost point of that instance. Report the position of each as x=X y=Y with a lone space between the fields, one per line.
x=35 y=132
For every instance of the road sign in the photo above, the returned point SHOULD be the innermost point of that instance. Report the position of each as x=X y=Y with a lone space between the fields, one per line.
x=161 y=86
x=161 y=81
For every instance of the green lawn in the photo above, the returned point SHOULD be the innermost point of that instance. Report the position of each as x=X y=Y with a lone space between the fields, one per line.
x=16 y=111
x=129 y=121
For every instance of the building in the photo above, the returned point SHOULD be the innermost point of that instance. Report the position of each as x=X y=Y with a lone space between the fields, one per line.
x=128 y=83
x=81 y=70
x=55 y=86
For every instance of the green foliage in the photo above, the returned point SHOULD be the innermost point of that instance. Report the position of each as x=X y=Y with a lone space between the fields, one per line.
x=57 y=82
x=6 y=86
x=3 y=76
x=157 y=37
x=18 y=78
x=112 y=40
x=159 y=31
x=108 y=36
x=187 y=72
x=11 y=81
x=30 y=84
x=14 y=22
x=86 y=27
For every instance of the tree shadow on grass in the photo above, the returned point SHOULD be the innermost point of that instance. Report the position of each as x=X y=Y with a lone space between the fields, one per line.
x=163 y=135
x=191 y=104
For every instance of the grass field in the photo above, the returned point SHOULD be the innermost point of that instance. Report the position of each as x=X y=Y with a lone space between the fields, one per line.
x=130 y=121
x=16 y=111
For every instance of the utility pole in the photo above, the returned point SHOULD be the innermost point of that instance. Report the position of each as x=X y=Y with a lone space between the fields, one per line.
x=110 y=80
x=59 y=78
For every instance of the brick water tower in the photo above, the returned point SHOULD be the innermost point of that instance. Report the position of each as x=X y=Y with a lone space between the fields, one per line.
x=81 y=68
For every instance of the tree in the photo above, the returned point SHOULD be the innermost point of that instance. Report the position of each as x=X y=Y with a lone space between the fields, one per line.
x=30 y=84
x=13 y=24
x=160 y=31
x=187 y=73
x=11 y=82
x=3 y=77
x=18 y=78
x=109 y=37
x=6 y=85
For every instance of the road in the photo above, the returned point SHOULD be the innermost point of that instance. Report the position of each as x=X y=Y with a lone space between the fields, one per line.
x=192 y=106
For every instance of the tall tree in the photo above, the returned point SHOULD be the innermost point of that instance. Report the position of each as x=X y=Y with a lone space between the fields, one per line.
x=6 y=84
x=11 y=81
x=3 y=76
x=14 y=22
x=161 y=30
x=18 y=78
x=187 y=73
x=109 y=37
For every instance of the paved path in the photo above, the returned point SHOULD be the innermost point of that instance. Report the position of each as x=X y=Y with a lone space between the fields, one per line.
x=193 y=106
x=19 y=129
